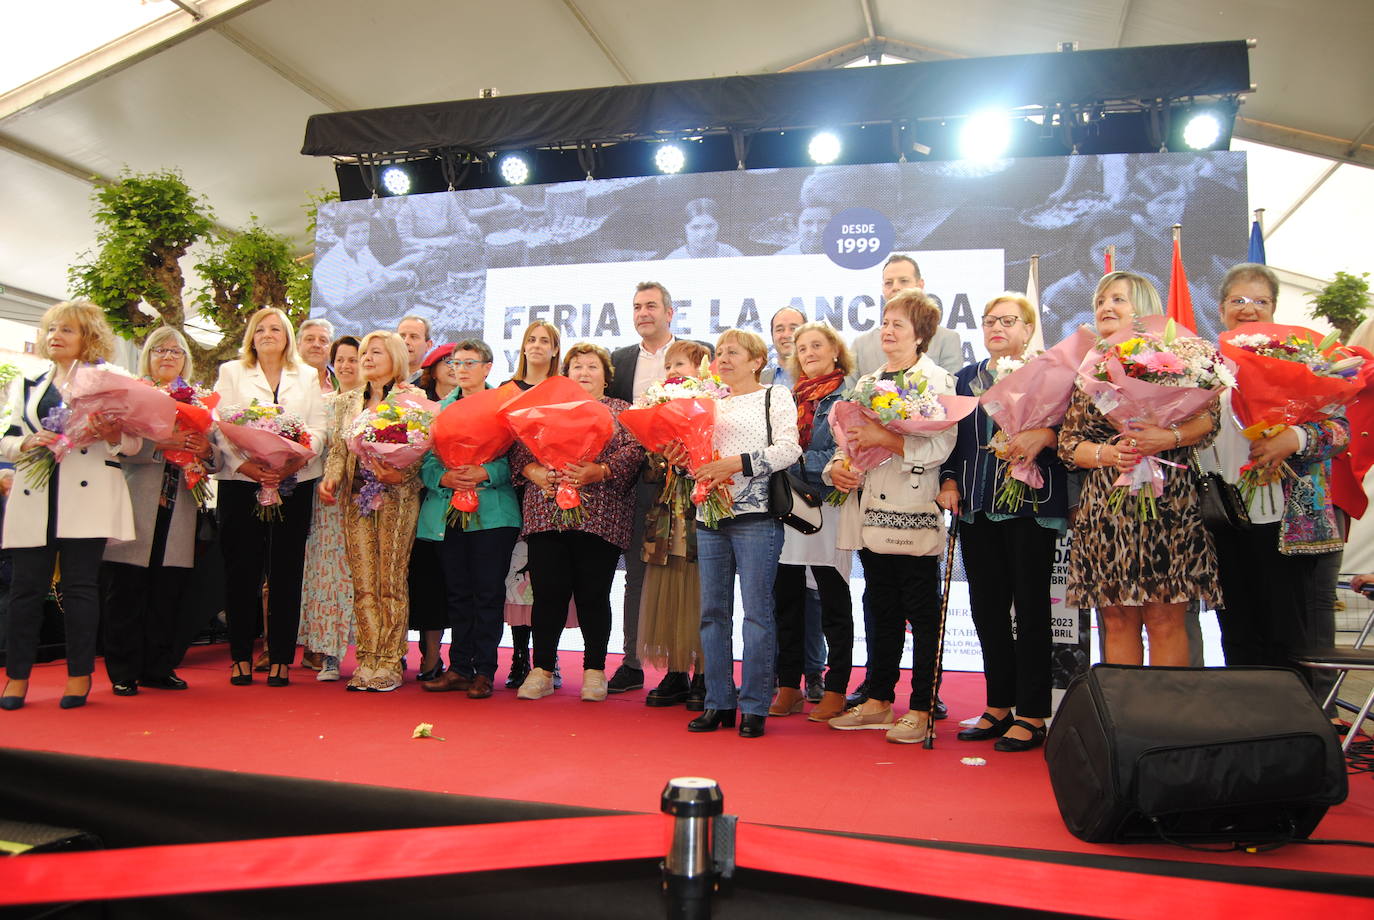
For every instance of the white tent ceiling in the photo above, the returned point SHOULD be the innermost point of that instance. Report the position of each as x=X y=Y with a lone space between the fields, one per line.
x=224 y=97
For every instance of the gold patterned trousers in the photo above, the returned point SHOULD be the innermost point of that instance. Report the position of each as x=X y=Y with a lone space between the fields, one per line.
x=378 y=546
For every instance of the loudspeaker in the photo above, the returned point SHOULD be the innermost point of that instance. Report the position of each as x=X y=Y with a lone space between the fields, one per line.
x=1192 y=754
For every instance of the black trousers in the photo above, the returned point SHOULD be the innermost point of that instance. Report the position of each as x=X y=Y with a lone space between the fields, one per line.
x=141 y=620
x=899 y=590
x=80 y=586
x=837 y=622
x=1266 y=595
x=474 y=569
x=256 y=550
x=1009 y=562
x=578 y=566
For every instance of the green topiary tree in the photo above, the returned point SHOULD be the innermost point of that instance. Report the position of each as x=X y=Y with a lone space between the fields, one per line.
x=1342 y=303
x=147 y=223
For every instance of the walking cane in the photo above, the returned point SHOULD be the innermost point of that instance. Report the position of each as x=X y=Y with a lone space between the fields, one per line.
x=940 y=635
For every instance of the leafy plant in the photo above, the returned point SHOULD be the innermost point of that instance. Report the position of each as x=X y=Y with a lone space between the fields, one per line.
x=1342 y=303
x=250 y=270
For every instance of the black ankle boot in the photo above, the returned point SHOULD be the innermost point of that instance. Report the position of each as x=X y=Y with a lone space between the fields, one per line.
x=519 y=667
x=673 y=689
x=712 y=719
x=696 y=694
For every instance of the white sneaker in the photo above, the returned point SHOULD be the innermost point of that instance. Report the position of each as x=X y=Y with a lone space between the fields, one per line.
x=593 y=686
x=329 y=670
x=537 y=685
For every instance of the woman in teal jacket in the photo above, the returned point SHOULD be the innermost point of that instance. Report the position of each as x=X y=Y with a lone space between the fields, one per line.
x=475 y=557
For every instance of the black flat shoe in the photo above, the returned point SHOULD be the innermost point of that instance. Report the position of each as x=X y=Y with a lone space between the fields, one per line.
x=169 y=682
x=751 y=726
x=11 y=703
x=673 y=689
x=696 y=694
x=279 y=677
x=712 y=719
x=241 y=674
x=997 y=729
x=73 y=700
x=126 y=689
x=941 y=711
x=1036 y=739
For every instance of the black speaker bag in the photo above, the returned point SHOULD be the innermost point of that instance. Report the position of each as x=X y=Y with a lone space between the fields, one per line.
x=1192 y=754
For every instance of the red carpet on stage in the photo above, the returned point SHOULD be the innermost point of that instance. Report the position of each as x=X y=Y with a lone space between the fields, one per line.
x=612 y=755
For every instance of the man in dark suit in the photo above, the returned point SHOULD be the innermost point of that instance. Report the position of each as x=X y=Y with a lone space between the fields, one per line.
x=635 y=367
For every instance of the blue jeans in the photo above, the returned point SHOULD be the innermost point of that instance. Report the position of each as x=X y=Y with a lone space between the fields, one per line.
x=748 y=546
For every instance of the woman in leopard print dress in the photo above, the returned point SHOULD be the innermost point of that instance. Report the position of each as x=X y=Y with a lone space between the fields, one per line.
x=1136 y=572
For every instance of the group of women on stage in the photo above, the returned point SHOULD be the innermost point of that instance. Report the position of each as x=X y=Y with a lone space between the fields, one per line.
x=333 y=575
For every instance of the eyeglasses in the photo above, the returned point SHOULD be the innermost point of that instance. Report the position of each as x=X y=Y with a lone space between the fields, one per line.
x=465 y=362
x=1264 y=303
x=1006 y=321
x=168 y=352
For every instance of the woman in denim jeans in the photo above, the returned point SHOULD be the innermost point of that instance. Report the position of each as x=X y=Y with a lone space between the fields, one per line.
x=747 y=543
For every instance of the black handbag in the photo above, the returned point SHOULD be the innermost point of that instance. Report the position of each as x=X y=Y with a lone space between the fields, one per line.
x=791 y=500
x=1222 y=507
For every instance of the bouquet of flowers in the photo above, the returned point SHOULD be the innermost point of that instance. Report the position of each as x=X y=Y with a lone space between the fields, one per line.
x=469 y=432
x=559 y=433
x=269 y=435
x=905 y=405
x=141 y=411
x=1156 y=375
x=1289 y=375
x=1029 y=393
x=395 y=434
x=9 y=373
x=683 y=410
x=193 y=408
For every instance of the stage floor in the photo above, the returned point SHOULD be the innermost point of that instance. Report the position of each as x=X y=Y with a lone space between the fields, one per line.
x=614 y=755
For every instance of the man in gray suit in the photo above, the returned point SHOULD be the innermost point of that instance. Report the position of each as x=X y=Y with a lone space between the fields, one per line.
x=783 y=327
x=899 y=273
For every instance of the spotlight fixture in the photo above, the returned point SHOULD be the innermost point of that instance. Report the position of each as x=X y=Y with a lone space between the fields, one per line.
x=985 y=136
x=1202 y=131
x=514 y=169
x=669 y=158
x=824 y=148
x=396 y=180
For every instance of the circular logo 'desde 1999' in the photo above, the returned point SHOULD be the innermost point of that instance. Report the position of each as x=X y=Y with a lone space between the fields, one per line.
x=858 y=238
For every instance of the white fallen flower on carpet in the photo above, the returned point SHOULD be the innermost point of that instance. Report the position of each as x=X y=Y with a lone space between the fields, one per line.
x=973 y=761
x=425 y=730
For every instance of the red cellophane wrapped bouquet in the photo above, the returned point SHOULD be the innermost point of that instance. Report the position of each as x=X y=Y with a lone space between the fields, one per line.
x=561 y=424
x=470 y=432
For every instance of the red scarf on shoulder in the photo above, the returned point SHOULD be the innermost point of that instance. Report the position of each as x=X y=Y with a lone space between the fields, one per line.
x=809 y=391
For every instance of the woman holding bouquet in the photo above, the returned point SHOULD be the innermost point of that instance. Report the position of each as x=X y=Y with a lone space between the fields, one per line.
x=327 y=595
x=1007 y=540
x=146 y=577
x=1267 y=572
x=747 y=542
x=820 y=363
x=577 y=562
x=1135 y=572
x=378 y=541
x=85 y=503
x=899 y=588
x=271 y=549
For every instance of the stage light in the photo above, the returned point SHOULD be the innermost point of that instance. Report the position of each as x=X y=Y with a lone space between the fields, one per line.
x=1202 y=131
x=514 y=169
x=985 y=136
x=824 y=148
x=396 y=180
x=669 y=158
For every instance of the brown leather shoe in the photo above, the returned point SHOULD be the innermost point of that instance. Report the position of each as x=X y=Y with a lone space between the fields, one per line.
x=787 y=701
x=263 y=662
x=481 y=687
x=830 y=706
x=449 y=680
x=312 y=660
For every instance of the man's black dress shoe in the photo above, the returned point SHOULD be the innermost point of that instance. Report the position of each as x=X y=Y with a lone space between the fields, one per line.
x=169 y=682
x=712 y=719
x=751 y=726
x=625 y=678
x=941 y=711
x=1036 y=739
x=126 y=689
x=673 y=689
x=858 y=697
x=997 y=729
x=696 y=694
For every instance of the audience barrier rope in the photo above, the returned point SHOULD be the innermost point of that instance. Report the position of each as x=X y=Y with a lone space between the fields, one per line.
x=406 y=853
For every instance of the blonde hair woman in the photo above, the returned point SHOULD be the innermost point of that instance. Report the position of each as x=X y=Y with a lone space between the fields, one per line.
x=86 y=498
x=378 y=544
x=266 y=371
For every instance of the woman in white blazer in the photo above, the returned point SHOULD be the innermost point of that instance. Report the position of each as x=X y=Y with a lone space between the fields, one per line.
x=84 y=504
x=255 y=551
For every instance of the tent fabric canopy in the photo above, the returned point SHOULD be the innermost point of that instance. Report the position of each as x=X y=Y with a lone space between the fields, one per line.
x=786 y=100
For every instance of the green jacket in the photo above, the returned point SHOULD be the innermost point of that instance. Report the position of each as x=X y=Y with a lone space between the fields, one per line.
x=497 y=505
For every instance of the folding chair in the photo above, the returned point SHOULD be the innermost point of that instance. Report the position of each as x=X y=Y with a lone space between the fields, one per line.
x=1344 y=660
